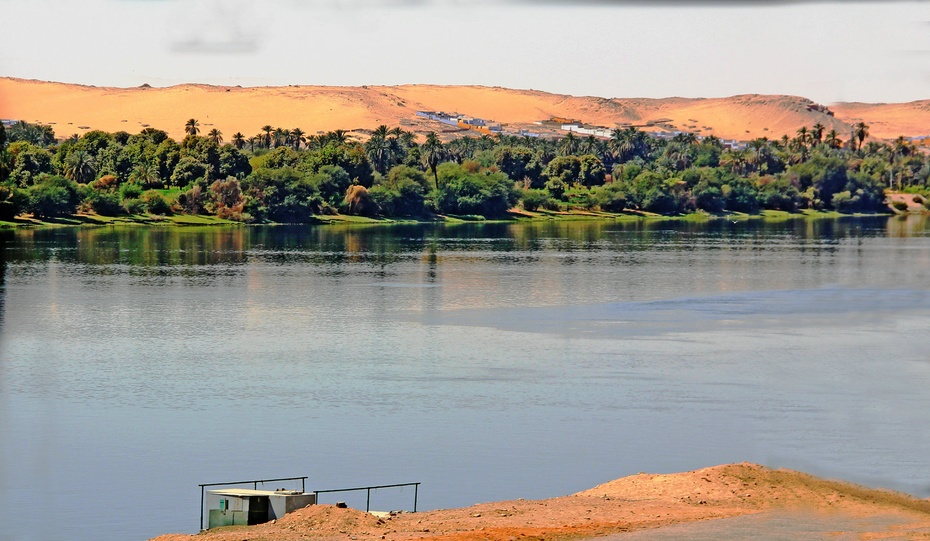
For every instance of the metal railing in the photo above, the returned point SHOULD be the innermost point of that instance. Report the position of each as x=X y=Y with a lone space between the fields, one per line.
x=416 y=488
x=254 y=482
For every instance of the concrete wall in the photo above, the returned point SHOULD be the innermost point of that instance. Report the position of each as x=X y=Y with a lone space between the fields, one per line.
x=288 y=503
x=236 y=512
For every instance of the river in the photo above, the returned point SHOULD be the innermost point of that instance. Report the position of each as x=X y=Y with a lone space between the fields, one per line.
x=486 y=361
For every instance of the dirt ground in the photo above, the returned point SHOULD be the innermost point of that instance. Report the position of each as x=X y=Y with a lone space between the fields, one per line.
x=638 y=502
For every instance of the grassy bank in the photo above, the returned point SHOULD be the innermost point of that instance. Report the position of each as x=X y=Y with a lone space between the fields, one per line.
x=514 y=216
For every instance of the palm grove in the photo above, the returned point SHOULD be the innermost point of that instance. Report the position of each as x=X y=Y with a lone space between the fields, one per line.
x=288 y=176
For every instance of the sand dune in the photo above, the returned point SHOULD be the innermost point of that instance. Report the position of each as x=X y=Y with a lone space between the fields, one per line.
x=75 y=109
x=639 y=502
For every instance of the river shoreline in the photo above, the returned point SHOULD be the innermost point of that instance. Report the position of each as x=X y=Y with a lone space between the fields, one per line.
x=639 y=502
x=515 y=216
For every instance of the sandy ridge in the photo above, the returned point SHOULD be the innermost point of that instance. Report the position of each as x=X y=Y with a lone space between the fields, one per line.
x=631 y=503
x=75 y=109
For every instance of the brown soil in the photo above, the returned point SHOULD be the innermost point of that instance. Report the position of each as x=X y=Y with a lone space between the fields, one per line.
x=76 y=109
x=914 y=202
x=632 y=503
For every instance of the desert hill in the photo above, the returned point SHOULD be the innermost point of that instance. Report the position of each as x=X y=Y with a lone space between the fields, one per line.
x=638 y=502
x=74 y=109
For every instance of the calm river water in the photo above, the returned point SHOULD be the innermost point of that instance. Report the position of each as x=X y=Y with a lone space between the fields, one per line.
x=488 y=362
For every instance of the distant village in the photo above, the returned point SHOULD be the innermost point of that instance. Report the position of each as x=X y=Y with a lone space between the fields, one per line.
x=556 y=126
x=660 y=128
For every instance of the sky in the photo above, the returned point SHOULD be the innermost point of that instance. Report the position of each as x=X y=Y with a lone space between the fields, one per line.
x=874 y=51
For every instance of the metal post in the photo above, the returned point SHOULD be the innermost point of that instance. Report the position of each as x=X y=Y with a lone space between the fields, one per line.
x=303 y=485
x=201 y=508
x=368 y=501
x=416 y=488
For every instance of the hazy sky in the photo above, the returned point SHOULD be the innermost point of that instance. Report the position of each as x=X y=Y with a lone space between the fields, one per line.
x=827 y=51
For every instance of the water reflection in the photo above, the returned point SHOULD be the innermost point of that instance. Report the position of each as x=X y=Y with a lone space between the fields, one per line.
x=471 y=357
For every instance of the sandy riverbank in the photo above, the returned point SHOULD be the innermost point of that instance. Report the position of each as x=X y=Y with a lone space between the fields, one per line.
x=639 y=502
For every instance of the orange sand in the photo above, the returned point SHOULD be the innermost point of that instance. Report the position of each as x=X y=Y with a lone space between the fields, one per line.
x=632 y=503
x=75 y=109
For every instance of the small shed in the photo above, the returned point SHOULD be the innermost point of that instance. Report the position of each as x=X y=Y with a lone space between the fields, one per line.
x=237 y=506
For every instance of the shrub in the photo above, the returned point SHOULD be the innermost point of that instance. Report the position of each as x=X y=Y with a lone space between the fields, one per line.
x=228 y=201
x=104 y=203
x=358 y=201
x=193 y=201
x=13 y=202
x=106 y=183
x=484 y=193
x=53 y=196
x=133 y=206
x=155 y=203
x=533 y=199
x=130 y=191
x=610 y=198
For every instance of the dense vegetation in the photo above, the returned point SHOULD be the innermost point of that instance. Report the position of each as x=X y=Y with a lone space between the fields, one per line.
x=287 y=176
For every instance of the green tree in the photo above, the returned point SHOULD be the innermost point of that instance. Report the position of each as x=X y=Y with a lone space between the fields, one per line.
x=401 y=192
x=331 y=182
x=591 y=171
x=215 y=135
x=566 y=169
x=53 y=196
x=520 y=164
x=480 y=192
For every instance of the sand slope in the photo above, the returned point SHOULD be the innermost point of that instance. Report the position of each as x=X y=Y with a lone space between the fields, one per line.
x=633 y=503
x=75 y=109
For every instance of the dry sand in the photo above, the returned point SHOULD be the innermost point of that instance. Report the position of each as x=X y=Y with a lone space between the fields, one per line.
x=639 y=502
x=75 y=109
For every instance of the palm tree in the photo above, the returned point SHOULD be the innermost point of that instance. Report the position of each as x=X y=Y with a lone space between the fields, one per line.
x=432 y=151
x=685 y=138
x=238 y=140
x=804 y=137
x=833 y=139
x=569 y=145
x=759 y=153
x=590 y=145
x=216 y=135
x=298 y=137
x=339 y=137
x=267 y=129
x=677 y=153
x=860 y=132
x=80 y=167
x=901 y=147
x=252 y=140
x=280 y=137
x=192 y=127
x=145 y=174
x=627 y=144
x=817 y=132
x=735 y=161
x=377 y=148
